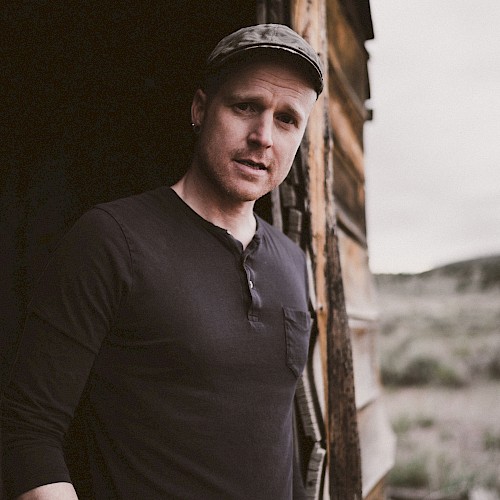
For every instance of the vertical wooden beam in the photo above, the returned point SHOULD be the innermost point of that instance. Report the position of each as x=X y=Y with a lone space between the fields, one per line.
x=314 y=151
x=308 y=17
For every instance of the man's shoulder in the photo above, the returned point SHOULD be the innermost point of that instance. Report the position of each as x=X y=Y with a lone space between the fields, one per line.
x=139 y=214
x=144 y=209
x=153 y=200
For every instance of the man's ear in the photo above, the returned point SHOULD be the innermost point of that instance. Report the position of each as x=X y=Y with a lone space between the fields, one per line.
x=198 y=107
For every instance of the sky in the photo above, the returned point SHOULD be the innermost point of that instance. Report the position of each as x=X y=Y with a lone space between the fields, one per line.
x=432 y=150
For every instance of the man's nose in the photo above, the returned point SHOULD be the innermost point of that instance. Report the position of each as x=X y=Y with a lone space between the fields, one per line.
x=262 y=131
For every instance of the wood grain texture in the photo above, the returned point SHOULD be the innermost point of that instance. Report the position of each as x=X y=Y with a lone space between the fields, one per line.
x=344 y=463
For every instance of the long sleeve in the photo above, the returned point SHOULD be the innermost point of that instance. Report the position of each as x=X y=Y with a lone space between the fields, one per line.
x=74 y=306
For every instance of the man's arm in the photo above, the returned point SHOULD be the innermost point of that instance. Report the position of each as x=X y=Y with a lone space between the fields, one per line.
x=38 y=405
x=55 y=491
x=72 y=310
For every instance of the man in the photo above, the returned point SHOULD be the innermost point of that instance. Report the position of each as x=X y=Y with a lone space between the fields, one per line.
x=175 y=323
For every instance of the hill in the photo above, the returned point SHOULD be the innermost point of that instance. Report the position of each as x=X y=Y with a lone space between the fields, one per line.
x=478 y=274
x=441 y=326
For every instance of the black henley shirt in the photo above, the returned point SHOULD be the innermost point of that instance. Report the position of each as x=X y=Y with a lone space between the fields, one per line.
x=180 y=350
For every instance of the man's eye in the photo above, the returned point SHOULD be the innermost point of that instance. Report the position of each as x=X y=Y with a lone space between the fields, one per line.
x=289 y=120
x=244 y=106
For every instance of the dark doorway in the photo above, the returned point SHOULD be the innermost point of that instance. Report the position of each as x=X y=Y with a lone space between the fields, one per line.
x=97 y=107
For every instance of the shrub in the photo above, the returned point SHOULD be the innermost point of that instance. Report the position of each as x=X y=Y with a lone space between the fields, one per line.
x=411 y=474
x=390 y=375
x=494 y=365
x=491 y=441
x=450 y=377
x=425 y=422
x=402 y=424
x=490 y=276
x=422 y=370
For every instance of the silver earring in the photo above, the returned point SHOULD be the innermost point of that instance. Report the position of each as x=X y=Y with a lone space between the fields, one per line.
x=196 y=128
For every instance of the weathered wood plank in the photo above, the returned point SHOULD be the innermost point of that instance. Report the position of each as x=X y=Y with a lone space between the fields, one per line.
x=288 y=195
x=377 y=444
x=350 y=227
x=309 y=19
x=364 y=353
x=346 y=136
x=378 y=492
x=345 y=468
x=347 y=52
x=313 y=152
x=349 y=190
x=359 y=286
x=294 y=225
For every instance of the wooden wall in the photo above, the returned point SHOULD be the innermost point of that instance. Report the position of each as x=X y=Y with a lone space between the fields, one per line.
x=336 y=201
x=349 y=25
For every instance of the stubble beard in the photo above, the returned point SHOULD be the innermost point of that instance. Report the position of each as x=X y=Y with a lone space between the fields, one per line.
x=223 y=181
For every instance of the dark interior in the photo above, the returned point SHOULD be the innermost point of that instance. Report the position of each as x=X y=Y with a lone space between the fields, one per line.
x=97 y=107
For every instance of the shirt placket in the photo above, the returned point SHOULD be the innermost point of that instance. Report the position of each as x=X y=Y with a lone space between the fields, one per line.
x=252 y=284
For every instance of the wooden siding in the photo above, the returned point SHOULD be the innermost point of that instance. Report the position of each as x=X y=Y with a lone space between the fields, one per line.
x=344 y=468
x=344 y=292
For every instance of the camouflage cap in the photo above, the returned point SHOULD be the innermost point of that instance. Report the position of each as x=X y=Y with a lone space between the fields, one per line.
x=269 y=37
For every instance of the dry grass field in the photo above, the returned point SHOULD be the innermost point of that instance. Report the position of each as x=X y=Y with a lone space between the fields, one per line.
x=440 y=364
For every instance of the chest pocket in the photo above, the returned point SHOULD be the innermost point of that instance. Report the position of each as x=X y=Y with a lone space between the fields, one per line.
x=297 y=330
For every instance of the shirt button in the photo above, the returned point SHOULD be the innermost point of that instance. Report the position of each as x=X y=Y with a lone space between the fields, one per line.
x=250 y=284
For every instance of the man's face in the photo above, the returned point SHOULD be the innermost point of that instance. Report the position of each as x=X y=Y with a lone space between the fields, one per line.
x=250 y=130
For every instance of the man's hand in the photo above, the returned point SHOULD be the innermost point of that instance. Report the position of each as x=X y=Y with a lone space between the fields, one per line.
x=55 y=491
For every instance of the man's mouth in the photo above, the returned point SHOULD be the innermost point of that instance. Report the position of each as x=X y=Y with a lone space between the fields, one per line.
x=253 y=164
